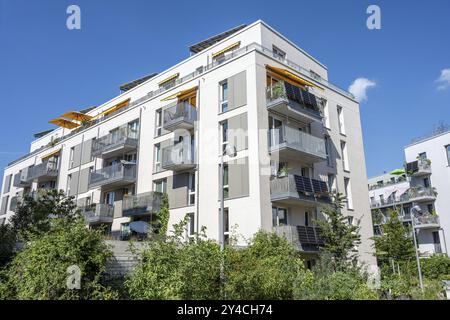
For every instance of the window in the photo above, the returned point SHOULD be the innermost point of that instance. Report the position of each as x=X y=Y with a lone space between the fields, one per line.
x=130 y=157
x=345 y=165
x=423 y=155
x=226 y=189
x=447 y=148
x=326 y=116
x=71 y=156
x=8 y=182
x=426 y=182
x=69 y=180
x=224 y=96
x=224 y=134
x=157 y=157
x=226 y=226
x=191 y=226
x=158 y=122
x=340 y=112
x=279 y=216
x=306 y=218
x=350 y=220
x=109 y=197
x=133 y=129
x=315 y=75
x=160 y=186
x=348 y=193
x=430 y=208
x=278 y=53
x=331 y=182
x=328 y=151
x=92 y=156
x=4 y=205
x=191 y=188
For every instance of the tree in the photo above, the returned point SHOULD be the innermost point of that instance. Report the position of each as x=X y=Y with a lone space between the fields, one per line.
x=161 y=222
x=7 y=244
x=436 y=267
x=395 y=246
x=40 y=270
x=35 y=212
x=340 y=238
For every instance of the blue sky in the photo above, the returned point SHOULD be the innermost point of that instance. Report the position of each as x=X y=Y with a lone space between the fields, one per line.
x=45 y=69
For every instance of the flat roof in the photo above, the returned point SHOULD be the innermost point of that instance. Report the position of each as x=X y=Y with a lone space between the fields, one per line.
x=202 y=45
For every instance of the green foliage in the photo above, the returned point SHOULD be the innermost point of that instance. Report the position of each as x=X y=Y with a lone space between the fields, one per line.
x=437 y=267
x=339 y=237
x=324 y=283
x=39 y=271
x=267 y=269
x=34 y=213
x=7 y=244
x=161 y=222
x=395 y=246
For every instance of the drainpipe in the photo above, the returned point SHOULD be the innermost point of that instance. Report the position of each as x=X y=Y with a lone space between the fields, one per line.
x=197 y=148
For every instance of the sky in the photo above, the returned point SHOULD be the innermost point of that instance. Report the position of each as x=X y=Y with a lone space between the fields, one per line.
x=401 y=72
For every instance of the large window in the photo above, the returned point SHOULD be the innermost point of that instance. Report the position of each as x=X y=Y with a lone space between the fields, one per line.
x=71 y=157
x=348 y=193
x=224 y=96
x=344 y=156
x=279 y=216
x=191 y=226
x=328 y=150
x=191 y=188
x=340 y=112
x=158 y=122
x=157 y=157
x=226 y=188
x=224 y=134
x=160 y=186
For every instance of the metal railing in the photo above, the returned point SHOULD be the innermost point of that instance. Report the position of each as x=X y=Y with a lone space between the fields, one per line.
x=426 y=219
x=228 y=56
x=20 y=179
x=420 y=166
x=411 y=195
x=283 y=186
x=178 y=154
x=119 y=137
x=112 y=173
x=387 y=183
x=179 y=112
x=299 y=140
x=148 y=202
x=278 y=91
x=305 y=238
x=46 y=168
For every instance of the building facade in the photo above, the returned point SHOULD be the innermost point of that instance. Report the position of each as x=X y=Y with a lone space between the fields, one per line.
x=294 y=138
x=424 y=184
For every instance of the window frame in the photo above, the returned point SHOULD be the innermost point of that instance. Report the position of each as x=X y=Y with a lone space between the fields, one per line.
x=222 y=101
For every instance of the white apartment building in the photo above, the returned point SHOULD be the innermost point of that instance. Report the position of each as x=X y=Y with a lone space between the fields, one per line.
x=425 y=184
x=295 y=137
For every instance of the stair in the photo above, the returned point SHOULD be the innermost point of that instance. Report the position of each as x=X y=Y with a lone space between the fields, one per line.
x=124 y=260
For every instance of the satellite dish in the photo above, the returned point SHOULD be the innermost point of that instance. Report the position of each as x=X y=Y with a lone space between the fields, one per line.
x=139 y=226
x=230 y=150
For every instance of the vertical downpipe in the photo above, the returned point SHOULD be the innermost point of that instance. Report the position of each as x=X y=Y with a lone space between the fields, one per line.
x=197 y=159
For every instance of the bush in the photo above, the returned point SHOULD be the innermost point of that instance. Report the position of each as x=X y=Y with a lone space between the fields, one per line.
x=437 y=267
x=39 y=271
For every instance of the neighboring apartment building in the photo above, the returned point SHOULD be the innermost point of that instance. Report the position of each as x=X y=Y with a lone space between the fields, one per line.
x=295 y=135
x=426 y=184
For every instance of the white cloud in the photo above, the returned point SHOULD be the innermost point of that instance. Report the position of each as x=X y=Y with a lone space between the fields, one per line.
x=444 y=79
x=359 y=88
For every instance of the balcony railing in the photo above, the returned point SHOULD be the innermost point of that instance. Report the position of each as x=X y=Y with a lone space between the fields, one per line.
x=419 y=167
x=141 y=204
x=122 y=140
x=304 y=238
x=44 y=170
x=296 y=102
x=117 y=174
x=426 y=221
x=178 y=157
x=310 y=147
x=20 y=179
x=387 y=183
x=412 y=195
x=299 y=189
x=180 y=115
x=98 y=213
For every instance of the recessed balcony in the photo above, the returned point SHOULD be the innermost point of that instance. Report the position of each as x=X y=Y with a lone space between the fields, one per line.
x=43 y=172
x=427 y=221
x=114 y=144
x=116 y=175
x=290 y=142
x=180 y=116
x=298 y=190
x=141 y=204
x=293 y=102
x=178 y=157
x=419 y=168
x=304 y=238
x=98 y=213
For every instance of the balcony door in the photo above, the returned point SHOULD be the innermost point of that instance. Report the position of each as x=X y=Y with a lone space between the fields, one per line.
x=276 y=130
x=109 y=197
x=279 y=216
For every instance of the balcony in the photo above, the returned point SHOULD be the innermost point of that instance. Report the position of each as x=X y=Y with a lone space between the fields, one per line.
x=43 y=172
x=180 y=116
x=117 y=175
x=178 y=157
x=114 y=144
x=412 y=195
x=20 y=179
x=292 y=143
x=419 y=168
x=305 y=239
x=293 y=102
x=98 y=213
x=298 y=190
x=427 y=221
x=141 y=204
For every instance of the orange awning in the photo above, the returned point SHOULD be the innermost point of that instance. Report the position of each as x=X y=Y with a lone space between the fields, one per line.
x=291 y=77
x=229 y=48
x=181 y=94
x=115 y=108
x=64 y=123
x=78 y=116
x=176 y=75
x=51 y=154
